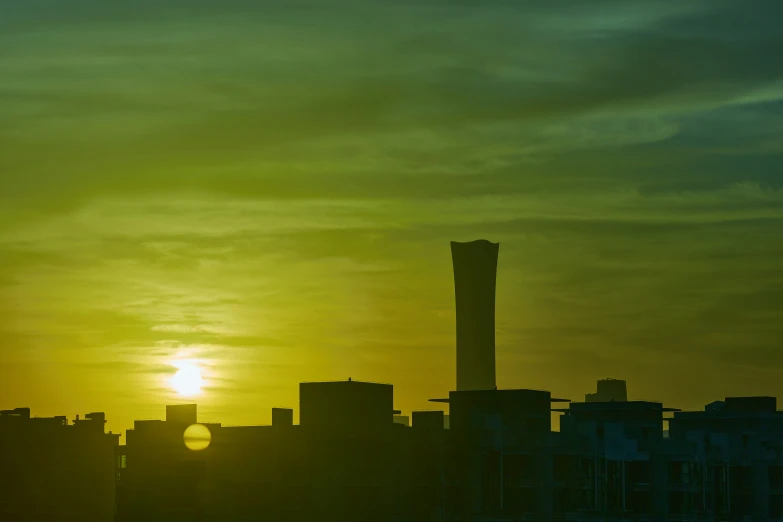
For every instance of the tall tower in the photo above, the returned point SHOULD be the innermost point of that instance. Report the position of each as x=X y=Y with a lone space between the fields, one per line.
x=475 y=272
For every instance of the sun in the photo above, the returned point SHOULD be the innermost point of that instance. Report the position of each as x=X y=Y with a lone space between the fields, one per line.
x=197 y=437
x=188 y=380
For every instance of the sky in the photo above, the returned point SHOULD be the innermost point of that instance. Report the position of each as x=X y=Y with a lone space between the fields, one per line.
x=267 y=190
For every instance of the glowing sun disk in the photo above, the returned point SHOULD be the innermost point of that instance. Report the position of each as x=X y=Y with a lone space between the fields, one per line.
x=188 y=380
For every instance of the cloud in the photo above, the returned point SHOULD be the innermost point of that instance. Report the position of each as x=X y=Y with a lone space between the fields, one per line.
x=272 y=188
x=168 y=93
x=132 y=367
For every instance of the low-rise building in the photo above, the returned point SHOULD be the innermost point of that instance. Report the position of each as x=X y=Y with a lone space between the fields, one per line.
x=55 y=471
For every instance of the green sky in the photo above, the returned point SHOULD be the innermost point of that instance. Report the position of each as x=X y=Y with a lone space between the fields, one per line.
x=269 y=188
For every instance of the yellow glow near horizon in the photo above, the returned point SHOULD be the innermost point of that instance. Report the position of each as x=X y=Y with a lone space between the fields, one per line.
x=188 y=380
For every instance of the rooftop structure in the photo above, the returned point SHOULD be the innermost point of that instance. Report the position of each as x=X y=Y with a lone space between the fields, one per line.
x=349 y=405
x=608 y=390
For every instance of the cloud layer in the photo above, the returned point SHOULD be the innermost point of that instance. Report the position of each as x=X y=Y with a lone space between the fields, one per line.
x=271 y=191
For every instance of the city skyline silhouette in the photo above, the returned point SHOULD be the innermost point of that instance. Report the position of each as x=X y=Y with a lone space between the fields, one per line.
x=353 y=456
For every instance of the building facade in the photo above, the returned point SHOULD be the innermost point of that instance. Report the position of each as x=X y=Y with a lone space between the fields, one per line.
x=56 y=471
x=499 y=461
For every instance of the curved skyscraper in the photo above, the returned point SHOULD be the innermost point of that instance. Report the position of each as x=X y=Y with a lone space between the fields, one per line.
x=475 y=272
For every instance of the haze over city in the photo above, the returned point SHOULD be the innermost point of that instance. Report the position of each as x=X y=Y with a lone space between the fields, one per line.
x=213 y=201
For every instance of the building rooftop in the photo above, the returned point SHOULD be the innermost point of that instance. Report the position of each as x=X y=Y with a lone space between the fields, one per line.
x=735 y=407
x=615 y=406
x=512 y=391
x=349 y=380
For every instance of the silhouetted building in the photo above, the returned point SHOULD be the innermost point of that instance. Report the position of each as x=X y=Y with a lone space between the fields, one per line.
x=739 y=446
x=355 y=467
x=625 y=470
x=159 y=478
x=608 y=390
x=346 y=460
x=259 y=473
x=475 y=274
x=498 y=460
x=282 y=417
x=182 y=414
x=427 y=480
x=54 y=471
x=430 y=420
x=402 y=419
x=346 y=405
